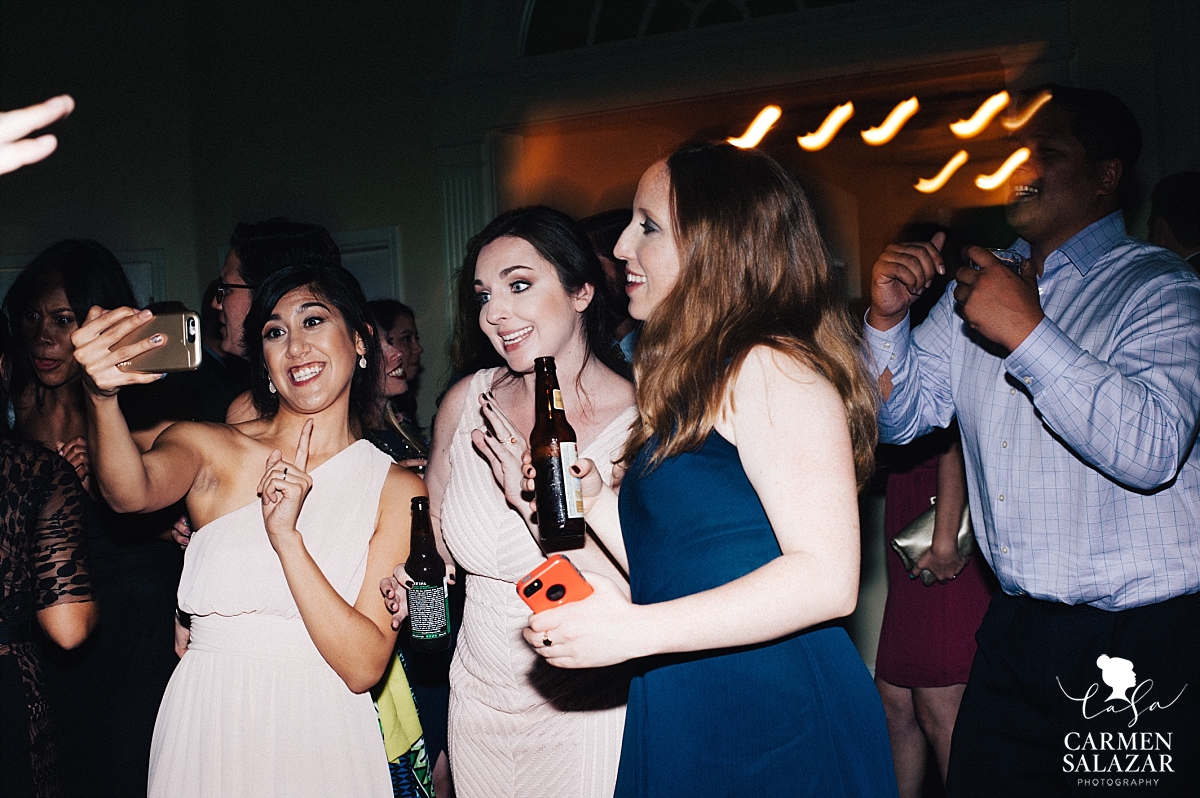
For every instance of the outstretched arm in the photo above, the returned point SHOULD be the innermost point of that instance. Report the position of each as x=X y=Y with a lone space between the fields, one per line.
x=790 y=428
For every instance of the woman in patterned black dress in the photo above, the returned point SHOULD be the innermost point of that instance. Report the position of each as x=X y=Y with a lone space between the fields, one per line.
x=43 y=575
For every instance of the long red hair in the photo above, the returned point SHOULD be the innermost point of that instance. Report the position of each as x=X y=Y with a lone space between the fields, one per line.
x=753 y=271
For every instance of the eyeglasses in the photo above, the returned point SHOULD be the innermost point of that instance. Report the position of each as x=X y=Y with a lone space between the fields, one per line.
x=224 y=287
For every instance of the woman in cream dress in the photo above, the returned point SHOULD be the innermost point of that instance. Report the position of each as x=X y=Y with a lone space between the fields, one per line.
x=297 y=521
x=531 y=287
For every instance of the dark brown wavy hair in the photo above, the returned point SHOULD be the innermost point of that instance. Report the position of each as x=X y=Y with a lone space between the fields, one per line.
x=753 y=272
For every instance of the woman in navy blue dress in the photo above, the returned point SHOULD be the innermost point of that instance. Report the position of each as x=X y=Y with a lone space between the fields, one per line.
x=738 y=515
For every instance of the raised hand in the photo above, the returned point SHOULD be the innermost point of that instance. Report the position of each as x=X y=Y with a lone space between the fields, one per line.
x=16 y=150
x=283 y=488
x=93 y=343
x=999 y=304
x=900 y=276
x=505 y=449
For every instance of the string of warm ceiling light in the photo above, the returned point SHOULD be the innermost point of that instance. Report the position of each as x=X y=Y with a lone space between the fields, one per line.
x=899 y=116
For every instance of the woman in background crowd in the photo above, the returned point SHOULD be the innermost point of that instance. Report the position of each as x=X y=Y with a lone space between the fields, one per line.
x=109 y=689
x=530 y=287
x=927 y=638
x=738 y=516
x=43 y=577
x=391 y=426
x=398 y=326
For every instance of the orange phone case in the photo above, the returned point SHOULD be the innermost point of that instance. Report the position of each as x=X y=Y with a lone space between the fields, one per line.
x=552 y=584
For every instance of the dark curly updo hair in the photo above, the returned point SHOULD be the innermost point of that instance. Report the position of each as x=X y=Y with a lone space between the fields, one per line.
x=339 y=288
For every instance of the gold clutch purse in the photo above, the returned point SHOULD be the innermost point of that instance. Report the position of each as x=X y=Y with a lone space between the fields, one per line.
x=915 y=540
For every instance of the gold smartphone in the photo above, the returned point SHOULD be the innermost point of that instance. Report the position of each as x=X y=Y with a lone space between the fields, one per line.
x=181 y=352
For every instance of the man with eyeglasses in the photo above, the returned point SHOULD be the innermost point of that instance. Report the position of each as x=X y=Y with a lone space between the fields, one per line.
x=256 y=249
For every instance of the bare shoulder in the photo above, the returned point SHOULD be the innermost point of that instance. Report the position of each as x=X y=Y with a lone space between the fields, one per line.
x=451 y=408
x=241 y=409
x=781 y=378
x=395 y=502
x=613 y=394
x=401 y=485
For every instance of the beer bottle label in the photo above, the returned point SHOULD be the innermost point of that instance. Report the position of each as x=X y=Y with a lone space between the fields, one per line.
x=428 y=610
x=572 y=487
x=558 y=405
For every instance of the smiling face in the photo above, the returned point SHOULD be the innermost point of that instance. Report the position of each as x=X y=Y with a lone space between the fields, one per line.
x=648 y=244
x=403 y=335
x=46 y=326
x=523 y=308
x=1057 y=192
x=233 y=307
x=393 y=378
x=309 y=351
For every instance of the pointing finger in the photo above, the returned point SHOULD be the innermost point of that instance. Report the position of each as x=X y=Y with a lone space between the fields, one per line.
x=302 y=446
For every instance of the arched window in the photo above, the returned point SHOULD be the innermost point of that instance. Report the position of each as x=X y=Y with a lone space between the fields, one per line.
x=556 y=25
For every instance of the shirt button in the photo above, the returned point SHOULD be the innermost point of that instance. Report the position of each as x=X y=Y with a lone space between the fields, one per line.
x=1001 y=497
x=1028 y=380
x=887 y=346
x=891 y=357
x=1004 y=549
x=1003 y=444
x=1011 y=391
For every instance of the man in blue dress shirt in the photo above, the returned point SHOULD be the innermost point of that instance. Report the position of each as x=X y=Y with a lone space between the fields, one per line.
x=1076 y=384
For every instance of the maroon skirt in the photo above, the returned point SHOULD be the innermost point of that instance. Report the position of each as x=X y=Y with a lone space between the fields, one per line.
x=928 y=634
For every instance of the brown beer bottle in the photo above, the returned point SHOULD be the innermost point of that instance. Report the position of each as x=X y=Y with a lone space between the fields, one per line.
x=428 y=599
x=552 y=446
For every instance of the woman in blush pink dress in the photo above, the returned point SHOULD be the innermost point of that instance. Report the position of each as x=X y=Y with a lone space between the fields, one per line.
x=295 y=517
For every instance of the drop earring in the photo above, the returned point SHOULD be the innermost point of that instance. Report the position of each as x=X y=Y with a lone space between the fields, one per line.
x=270 y=385
x=362 y=361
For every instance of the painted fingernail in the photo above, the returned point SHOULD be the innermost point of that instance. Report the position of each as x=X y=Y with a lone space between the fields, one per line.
x=156 y=338
x=576 y=470
x=408 y=583
x=489 y=405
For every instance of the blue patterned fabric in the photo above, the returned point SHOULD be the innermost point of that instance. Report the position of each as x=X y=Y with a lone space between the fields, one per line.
x=794 y=717
x=1084 y=486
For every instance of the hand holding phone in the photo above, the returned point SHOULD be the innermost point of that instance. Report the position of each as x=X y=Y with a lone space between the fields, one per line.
x=180 y=352
x=553 y=583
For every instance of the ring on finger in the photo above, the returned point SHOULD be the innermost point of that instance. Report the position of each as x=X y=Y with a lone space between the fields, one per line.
x=285 y=472
x=511 y=439
x=547 y=642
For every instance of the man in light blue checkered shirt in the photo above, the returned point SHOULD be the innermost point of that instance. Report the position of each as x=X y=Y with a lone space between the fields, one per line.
x=1076 y=384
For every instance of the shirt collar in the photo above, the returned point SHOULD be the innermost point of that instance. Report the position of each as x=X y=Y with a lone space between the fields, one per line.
x=1084 y=248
